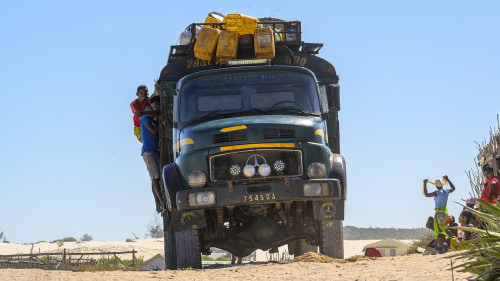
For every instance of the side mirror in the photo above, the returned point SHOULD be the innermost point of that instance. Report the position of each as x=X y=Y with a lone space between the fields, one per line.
x=333 y=96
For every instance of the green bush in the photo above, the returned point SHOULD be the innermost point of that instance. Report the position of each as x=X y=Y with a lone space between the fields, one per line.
x=483 y=261
x=86 y=238
x=206 y=258
x=426 y=236
x=129 y=240
x=65 y=239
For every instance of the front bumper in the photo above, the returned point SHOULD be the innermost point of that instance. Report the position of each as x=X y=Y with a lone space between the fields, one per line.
x=261 y=193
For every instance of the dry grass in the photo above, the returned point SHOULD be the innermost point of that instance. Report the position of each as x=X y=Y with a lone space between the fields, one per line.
x=319 y=258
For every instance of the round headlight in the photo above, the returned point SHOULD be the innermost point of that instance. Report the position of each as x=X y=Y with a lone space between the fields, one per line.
x=248 y=171
x=197 y=179
x=316 y=171
x=279 y=166
x=264 y=170
x=235 y=170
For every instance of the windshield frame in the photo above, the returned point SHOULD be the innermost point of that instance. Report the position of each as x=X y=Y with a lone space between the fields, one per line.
x=237 y=70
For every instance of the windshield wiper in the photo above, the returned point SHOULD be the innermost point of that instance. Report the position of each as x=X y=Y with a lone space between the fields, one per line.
x=210 y=114
x=298 y=110
x=257 y=110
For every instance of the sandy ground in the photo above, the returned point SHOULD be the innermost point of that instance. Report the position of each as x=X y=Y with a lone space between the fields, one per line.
x=413 y=267
x=145 y=248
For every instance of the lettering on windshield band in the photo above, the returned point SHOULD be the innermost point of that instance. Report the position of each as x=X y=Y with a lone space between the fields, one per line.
x=267 y=77
x=194 y=63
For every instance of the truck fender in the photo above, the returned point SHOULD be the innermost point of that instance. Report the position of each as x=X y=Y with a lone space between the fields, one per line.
x=338 y=171
x=172 y=185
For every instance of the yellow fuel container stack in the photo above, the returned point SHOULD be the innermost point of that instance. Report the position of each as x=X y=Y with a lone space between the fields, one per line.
x=206 y=44
x=264 y=43
x=240 y=24
x=227 y=47
x=212 y=20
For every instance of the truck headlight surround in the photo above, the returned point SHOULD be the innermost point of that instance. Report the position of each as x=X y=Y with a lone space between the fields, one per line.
x=315 y=189
x=197 y=179
x=316 y=171
x=205 y=198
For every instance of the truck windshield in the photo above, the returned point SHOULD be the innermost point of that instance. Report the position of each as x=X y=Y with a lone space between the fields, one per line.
x=240 y=93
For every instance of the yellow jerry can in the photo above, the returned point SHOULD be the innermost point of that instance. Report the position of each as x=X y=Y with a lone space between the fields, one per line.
x=264 y=43
x=227 y=48
x=205 y=45
x=212 y=20
x=241 y=24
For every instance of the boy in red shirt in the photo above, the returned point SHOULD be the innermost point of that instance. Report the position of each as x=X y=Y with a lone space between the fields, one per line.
x=490 y=189
x=137 y=106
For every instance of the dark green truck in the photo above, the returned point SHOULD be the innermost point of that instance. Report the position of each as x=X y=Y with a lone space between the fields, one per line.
x=250 y=152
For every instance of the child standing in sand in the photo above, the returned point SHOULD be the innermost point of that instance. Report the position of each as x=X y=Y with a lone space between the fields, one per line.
x=440 y=200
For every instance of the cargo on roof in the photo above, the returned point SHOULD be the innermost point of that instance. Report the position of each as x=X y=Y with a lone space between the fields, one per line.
x=211 y=44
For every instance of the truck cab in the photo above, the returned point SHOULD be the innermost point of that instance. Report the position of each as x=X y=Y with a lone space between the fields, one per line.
x=251 y=157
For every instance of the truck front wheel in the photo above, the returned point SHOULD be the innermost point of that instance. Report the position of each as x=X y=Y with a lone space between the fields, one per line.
x=169 y=243
x=188 y=249
x=331 y=239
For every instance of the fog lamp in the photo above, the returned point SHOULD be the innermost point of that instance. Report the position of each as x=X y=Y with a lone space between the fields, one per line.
x=202 y=198
x=264 y=170
x=248 y=171
x=235 y=170
x=315 y=189
x=279 y=166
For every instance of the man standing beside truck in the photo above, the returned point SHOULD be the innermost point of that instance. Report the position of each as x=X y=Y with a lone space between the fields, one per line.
x=150 y=152
x=137 y=106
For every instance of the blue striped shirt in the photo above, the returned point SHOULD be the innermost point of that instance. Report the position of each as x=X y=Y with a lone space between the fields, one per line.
x=441 y=198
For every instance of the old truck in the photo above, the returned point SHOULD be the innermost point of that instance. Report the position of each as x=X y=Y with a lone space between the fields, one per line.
x=250 y=151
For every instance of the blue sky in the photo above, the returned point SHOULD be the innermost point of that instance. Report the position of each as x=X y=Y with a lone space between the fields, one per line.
x=419 y=83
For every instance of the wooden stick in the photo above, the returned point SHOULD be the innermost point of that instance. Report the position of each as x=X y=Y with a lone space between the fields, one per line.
x=40 y=260
x=121 y=261
x=452 y=278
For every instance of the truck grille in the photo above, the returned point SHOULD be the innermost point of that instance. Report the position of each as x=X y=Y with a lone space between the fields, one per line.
x=238 y=135
x=278 y=134
x=220 y=164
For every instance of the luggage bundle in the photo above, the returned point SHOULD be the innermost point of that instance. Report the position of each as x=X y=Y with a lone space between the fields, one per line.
x=222 y=36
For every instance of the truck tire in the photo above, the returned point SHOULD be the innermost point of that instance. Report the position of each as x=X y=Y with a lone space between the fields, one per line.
x=188 y=249
x=169 y=243
x=332 y=239
x=300 y=247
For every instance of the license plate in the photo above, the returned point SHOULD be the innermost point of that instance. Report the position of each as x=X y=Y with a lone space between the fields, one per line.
x=256 y=198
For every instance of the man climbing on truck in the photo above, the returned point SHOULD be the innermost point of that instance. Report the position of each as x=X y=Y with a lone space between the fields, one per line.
x=137 y=106
x=150 y=152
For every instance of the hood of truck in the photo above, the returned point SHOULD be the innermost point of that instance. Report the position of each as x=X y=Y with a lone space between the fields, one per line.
x=249 y=132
